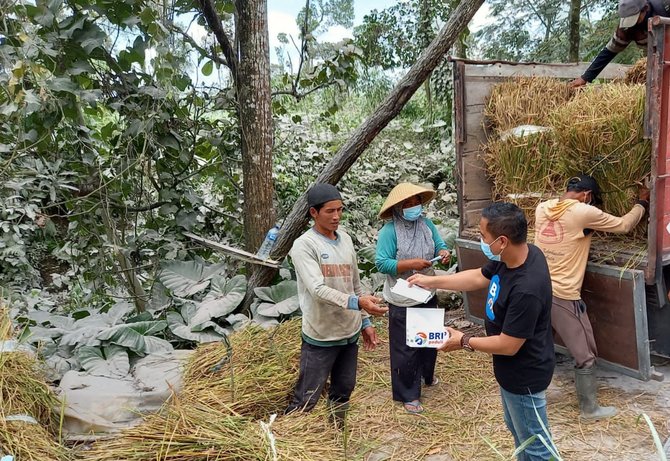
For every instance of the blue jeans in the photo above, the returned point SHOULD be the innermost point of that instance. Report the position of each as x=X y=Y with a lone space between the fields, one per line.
x=523 y=423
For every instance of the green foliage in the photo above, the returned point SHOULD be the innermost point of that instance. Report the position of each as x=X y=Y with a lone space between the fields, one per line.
x=98 y=340
x=224 y=296
x=201 y=300
x=107 y=361
x=103 y=151
x=186 y=278
x=540 y=32
x=323 y=14
x=137 y=336
x=278 y=302
x=181 y=324
x=102 y=341
x=409 y=148
x=396 y=36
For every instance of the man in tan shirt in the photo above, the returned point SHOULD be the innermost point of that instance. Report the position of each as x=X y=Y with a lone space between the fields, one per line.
x=335 y=311
x=563 y=231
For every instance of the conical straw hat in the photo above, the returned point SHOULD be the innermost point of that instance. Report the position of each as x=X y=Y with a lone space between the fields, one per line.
x=400 y=193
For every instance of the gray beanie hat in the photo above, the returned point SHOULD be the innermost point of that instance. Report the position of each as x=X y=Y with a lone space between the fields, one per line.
x=321 y=193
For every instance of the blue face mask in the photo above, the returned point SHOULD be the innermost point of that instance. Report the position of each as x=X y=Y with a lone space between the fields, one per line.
x=486 y=249
x=412 y=213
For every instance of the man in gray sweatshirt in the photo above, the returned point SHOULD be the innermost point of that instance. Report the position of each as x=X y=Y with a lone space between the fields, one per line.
x=335 y=312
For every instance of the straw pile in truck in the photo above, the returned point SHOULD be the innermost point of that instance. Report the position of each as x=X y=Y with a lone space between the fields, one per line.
x=542 y=133
x=637 y=73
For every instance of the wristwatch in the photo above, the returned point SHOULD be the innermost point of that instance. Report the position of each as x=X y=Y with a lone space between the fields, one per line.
x=465 y=343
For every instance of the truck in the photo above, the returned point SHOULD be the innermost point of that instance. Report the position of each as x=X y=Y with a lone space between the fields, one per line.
x=627 y=296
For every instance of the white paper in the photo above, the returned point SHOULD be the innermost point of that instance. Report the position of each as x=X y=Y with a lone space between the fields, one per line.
x=425 y=327
x=416 y=293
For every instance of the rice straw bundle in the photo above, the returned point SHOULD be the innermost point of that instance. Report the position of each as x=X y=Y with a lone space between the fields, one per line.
x=600 y=121
x=519 y=165
x=189 y=431
x=185 y=432
x=601 y=132
x=522 y=169
x=308 y=436
x=253 y=377
x=29 y=441
x=638 y=73
x=525 y=101
x=25 y=394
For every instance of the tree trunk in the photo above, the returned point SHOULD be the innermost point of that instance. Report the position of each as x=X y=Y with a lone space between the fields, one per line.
x=297 y=219
x=425 y=35
x=255 y=112
x=575 y=10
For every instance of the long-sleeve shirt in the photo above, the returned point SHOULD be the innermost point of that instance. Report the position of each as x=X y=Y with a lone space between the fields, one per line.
x=559 y=233
x=328 y=288
x=624 y=37
x=387 y=262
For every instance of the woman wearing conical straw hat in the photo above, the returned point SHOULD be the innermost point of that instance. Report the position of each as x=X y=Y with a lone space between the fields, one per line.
x=406 y=245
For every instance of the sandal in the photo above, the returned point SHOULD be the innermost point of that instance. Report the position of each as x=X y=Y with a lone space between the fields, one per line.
x=414 y=407
x=434 y=383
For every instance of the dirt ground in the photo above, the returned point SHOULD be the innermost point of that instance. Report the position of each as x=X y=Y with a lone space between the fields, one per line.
x=482 y=434
x=611 y=439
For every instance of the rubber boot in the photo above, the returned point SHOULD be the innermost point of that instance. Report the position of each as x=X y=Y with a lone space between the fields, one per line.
x=585 y=382
x=337 y=413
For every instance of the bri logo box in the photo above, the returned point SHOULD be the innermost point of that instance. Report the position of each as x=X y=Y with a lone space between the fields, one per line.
x=425 y=327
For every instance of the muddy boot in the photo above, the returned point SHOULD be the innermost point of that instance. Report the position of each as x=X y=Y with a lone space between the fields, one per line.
x=585 y=382
x=337 y=413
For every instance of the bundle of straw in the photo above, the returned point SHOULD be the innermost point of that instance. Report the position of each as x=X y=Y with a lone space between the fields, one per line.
x=638 y=73
x=29 y=442
x=525 y=101
x=600 y=132
x=197 y=432
x=185 y=432
x=522 y=169
x=253 y=376
x=24 y=394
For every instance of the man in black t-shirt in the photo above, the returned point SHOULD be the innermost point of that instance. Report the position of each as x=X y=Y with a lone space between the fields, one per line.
x=518 y=323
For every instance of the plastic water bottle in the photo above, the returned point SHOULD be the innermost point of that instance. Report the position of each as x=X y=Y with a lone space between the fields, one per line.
x=268 y=243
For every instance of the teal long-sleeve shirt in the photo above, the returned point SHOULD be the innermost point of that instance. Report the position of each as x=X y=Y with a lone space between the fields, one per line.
x=387 y=247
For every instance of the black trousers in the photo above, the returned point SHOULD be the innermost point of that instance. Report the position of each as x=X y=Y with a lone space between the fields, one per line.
x=408 y=364
x=317 y=363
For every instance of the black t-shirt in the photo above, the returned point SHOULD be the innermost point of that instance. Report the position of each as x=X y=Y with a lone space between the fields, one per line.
x=519 y=304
